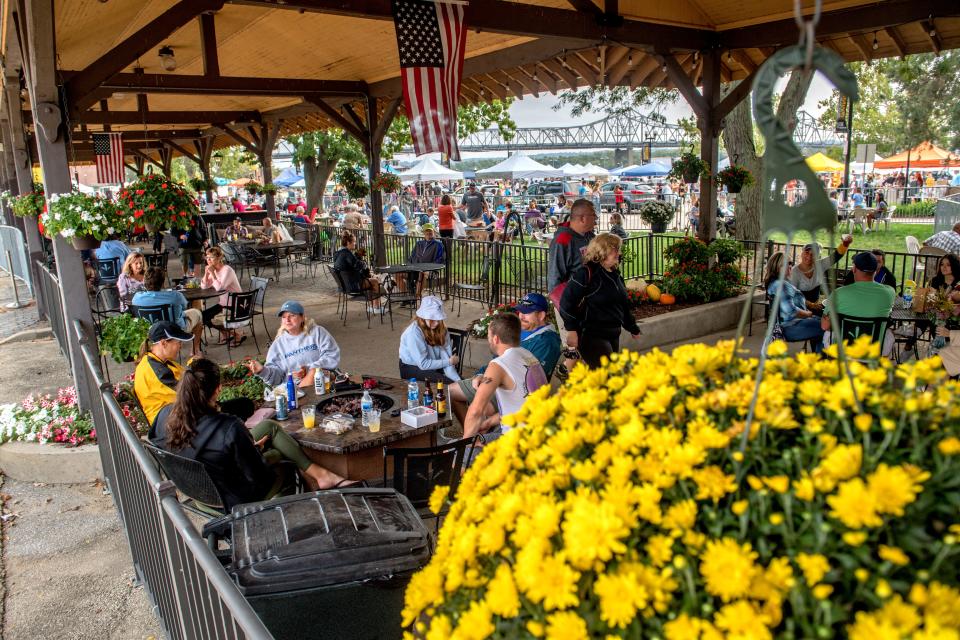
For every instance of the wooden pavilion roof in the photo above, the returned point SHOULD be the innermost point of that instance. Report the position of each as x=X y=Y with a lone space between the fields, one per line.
x=310 y=63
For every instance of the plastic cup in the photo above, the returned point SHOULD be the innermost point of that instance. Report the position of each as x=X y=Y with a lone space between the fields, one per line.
x=373 y=420
x=309 y=417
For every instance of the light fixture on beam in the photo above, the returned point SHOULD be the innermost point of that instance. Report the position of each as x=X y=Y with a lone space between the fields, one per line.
x=876 y=43
x=630 y=60
x=933 y=29
x=167 y=60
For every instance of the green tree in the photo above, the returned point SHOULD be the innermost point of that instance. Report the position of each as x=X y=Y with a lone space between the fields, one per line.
x=470 y=119
x=233 y=162
x=614 y=101
x=317 y=153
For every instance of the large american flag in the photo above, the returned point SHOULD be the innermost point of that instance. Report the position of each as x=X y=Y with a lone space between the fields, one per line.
x=431 y=39
x=108 y=150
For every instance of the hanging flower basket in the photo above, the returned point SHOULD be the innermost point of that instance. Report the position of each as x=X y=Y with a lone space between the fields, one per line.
x=387 y=183
x=688 y=167
x=253 y=187
x=84 y=220
x=158 y=202
x=735 y=178
x=269 y=189
x=201 y=184
x=30 y=204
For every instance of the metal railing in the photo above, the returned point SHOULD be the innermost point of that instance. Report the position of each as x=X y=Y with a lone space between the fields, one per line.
x=48 y=296
x=192 y=594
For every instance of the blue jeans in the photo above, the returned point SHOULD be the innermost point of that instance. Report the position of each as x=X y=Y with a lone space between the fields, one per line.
x=805 y=329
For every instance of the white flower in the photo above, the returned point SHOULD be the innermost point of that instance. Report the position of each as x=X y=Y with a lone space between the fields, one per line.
x=68 y=233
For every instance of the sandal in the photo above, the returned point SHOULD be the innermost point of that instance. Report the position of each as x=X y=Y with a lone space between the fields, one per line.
x=237 y=342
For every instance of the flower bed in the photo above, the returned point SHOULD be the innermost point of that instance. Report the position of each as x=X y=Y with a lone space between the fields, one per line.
x=630 y=505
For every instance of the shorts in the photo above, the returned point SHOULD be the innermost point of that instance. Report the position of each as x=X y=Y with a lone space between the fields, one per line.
x=192 y=318
x=466 y=386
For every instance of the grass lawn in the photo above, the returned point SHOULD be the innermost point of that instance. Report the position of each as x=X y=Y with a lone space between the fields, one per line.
x=892 y=240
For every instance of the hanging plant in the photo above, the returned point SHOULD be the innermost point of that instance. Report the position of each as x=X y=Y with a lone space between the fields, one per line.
x=735 y=177
x=157 y=202
x=657 y=214
x=688 y=168
x=253 y=187
x=201 y=184
x=86 y=220
x=353 y=181
x=30 y=204
x=269 y=189
x=387 y=182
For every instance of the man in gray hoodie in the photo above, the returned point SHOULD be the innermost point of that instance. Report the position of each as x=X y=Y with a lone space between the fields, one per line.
x=565 y=257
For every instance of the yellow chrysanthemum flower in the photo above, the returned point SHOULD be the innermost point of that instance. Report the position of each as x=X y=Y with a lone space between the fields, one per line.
x=854 y=505
x=814 y=567
x=592 y=531
x=621 y=596
x=566 y=625
x=893 y=555
x=893 y=488
x=501 y=595
x=728 y=568
x=713 y=483
x=949 y=446
x=681 y=516
x=744 y=621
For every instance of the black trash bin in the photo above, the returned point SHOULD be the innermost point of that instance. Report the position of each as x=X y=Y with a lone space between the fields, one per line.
x=331 y=564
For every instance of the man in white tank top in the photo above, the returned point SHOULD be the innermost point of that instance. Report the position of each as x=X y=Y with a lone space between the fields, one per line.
x=512 y=375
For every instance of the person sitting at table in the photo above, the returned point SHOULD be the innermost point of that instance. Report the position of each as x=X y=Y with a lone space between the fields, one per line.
x=426 y=251
x=112 y=247
x=948 y=240
x=153 y=294
x=301 y=346
x=300 y=216
x=879 y=212
x=510 y=377
x=796 y=321
x=805 y=276
x=131 y=278
x=882 y=274
x=865 y=298
x=948 y=273
x=426 y=349
x=236 y=231
x=274 y=233
x=156 y=376
x=397 y=219
x=356 y=273
x=352 y=219
x=237 y=459
x=222 y=277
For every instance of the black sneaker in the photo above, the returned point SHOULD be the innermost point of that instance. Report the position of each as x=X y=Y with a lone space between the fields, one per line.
x=562 y=373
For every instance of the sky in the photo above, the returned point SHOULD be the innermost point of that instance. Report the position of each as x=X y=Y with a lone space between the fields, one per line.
x=539 y=112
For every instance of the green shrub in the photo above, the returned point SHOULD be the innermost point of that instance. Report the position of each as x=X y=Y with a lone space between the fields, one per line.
x=916 y=210
x=691 y=277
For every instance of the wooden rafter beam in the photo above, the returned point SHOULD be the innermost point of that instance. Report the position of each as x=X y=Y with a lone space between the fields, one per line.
x=518 y=78
x=644 y=70
x=78 y=89
x=522 y=19
x=515 y=87
x=389 y=113
x=161 y=117
x=732 y=99
x=557 y=69
x=143 y=136
x=586 y=6
x=861 y=45
x=617 y=71
x=208 y=45
x=684 y=85
x=898 y=43
x=221 y=85
x=341 y=120
x=183 y=151
x=930 y=31
x=577 y=61
x=869 y=17
x=745 y=61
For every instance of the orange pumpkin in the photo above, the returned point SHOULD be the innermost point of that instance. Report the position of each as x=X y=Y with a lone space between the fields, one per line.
x=667 y=298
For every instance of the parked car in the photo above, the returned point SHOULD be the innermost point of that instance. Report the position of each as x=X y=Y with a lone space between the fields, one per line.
x=545 y=192
x=488 y=190
x=633 y=194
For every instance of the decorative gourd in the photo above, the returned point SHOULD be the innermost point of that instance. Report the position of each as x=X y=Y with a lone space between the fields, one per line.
x=653 y=292
x=667 y=298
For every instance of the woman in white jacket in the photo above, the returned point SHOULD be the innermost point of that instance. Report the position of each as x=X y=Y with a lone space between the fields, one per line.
x=426 y=350
x=301 y=346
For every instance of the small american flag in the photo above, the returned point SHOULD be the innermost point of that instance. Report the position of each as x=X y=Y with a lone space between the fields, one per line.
x=108 y=149
x=431 y=39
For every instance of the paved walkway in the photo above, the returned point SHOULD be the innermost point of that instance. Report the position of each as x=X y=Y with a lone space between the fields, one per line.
x=15 y=320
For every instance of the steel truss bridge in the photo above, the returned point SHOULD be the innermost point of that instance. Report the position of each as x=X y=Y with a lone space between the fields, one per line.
x=624 y=131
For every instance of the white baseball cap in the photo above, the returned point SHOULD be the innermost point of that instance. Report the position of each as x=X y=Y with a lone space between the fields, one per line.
x=431 y=308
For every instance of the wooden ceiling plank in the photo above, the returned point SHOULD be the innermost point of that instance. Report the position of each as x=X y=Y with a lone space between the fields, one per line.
x=930 y=31
x=613 y=57
x=221 y=85
x=616 y=73
x=519 y=80
x=138 y=44
x=524 y=77
x=557 y=69
x=163 y=117
x=643 y=71
x=744 y=60
x=898 y=43
x=588 y=72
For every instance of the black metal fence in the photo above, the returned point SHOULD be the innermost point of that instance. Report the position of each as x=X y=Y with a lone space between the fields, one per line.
x=48 y=298
x=192 y=594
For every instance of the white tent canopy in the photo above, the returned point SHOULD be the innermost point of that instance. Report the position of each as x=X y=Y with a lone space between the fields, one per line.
x=573 y=170
x=591 y=169
x=429 y=169
x=519 y=166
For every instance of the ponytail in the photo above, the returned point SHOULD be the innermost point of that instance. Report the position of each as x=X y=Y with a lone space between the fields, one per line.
x=144 y=348
x=194 y=392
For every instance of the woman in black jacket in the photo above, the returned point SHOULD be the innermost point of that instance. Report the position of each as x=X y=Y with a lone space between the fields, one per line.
x=237 y=459
x=355 y=273
x=594 y=305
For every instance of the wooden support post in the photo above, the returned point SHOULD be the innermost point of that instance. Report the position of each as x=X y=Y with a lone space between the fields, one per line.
x=373 y=168
x=204 y=154
x=709 y=145
x=38 y=32
x=22 y=167
x=269 y=130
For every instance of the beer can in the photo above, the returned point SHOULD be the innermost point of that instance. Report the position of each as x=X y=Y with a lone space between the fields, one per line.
x=281 y=406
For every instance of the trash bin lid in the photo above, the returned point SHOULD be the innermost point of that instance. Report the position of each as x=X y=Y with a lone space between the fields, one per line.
x=325 y=538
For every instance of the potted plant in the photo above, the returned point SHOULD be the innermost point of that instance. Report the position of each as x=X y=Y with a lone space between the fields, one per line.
x=253 y=187
x=657 y=214
x=352 y=180
x=269 y=189
x=30 y=204
x=201 y=184
x=122 y=336
x=735 y=177
x=632 y=503
x=83 y=219
x=688 y=168
x=158 y=202
x=387 y=182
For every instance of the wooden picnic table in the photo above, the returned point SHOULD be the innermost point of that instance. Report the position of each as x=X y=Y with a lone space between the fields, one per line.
x=196 y=294
x=358 y=453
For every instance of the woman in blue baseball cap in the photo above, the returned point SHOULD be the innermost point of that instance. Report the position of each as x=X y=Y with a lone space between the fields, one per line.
x=301 y=346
